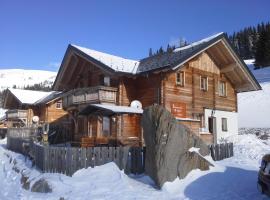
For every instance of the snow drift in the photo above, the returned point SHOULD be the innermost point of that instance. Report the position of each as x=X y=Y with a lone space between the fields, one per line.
x=232 y=178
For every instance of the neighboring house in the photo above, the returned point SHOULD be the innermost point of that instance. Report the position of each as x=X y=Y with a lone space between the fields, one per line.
x=197 y=83
x=23 y=105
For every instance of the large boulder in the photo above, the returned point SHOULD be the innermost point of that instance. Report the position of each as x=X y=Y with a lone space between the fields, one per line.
x=167 y=147
x=41 y=186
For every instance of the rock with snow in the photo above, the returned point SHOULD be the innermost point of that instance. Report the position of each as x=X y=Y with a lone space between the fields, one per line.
x=167 y=146
x=41 y=186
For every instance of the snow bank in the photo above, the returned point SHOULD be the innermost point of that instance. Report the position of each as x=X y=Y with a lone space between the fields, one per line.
x=233 y=178
x=254 y=107
x=2 y=112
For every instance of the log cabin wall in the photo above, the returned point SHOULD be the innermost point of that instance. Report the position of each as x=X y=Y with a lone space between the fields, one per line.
x=89 y=75
x=144 y=89
x=191 y=95
x=55 y=113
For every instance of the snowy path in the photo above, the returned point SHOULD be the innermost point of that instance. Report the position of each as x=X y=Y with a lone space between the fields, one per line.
x=233 y=178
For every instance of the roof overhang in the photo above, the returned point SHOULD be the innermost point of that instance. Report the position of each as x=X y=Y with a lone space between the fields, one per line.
x=7 y=97
x=71 y=61
x=108 y=110
x=218 y=48
x=229 y=62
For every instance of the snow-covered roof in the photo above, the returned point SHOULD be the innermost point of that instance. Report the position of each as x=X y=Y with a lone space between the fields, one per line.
x=199 y=42
x=175 y=59
x=53 y=95
x=161 y=62
x=111 y=109
x=116 y=63
x=29 y=96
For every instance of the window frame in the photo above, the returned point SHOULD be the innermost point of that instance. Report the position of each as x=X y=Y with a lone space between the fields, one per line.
x=222 y=91
x=181 y=76
x=202 y=88
x=61 y=104
x=108 y=126
x=224 y=126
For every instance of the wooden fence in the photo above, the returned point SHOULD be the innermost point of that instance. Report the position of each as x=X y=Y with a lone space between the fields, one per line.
x=221 y=151
x=21 y=132
x=68 y=160
x=18 y=139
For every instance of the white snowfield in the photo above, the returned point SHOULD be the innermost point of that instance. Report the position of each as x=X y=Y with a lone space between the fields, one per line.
x=233 y=178
x=254 y=107
x=22 y=77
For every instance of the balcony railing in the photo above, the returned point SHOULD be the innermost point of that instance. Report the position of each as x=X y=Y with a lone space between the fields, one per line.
x=98 y=94
x=16 y=114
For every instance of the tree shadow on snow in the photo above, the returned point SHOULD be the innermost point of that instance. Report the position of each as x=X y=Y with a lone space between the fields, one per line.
x=234 y=183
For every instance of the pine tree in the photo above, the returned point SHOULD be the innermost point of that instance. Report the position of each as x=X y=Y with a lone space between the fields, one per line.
x=160 y=51
x=262 y=56
x=150 y=52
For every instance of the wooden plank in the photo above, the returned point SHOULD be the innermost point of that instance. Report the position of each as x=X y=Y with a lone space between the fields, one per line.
x=83 y=158
x=97 y=156
x=117 y=157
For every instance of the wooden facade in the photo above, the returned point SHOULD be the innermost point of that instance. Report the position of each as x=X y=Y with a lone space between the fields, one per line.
x=20 y=114
x=208 y=79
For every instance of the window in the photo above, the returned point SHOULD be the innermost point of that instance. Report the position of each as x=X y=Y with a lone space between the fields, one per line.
x=211 y=124
x=180 y=78
x=58 y=105
x=106 y=125
x=204 y=83
x=107 y=81
x=224 y=124
x=222 y=89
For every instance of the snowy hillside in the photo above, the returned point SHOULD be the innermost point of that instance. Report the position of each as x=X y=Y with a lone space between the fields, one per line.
x=232 y=178
x=262 y=75
x=254 y=107
x=21 y=77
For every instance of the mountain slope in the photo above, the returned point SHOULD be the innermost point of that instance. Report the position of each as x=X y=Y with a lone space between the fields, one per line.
x=22 y=78
x=254 y=107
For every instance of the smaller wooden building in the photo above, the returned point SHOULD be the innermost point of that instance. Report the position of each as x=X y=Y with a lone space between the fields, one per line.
x=23 y=105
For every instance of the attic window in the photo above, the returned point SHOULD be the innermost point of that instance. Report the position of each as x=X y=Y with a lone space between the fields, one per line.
x=222 y=89
x=180 y=78
x=58 y=105
x=204 y=83
x=105 y=80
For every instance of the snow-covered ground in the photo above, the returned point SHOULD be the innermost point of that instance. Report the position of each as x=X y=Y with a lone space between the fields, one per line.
x=254 y=107
x=233 y=178
x=22 y=77
x=2 y=112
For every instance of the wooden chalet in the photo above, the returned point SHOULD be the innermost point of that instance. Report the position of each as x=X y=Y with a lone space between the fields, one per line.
x=197 y=83
x=23 y=105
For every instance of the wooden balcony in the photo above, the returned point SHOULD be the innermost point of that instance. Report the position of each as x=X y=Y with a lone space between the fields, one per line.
x=16 y=114
x=98 y=94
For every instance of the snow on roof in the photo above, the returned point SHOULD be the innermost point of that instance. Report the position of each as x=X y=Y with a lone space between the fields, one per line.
x=29 y=96
x=53 y=95
x=198 y=42
x=116 y=63
x=119 y=109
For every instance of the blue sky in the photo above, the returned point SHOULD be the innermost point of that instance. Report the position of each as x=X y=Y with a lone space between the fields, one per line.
x=34 y=34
